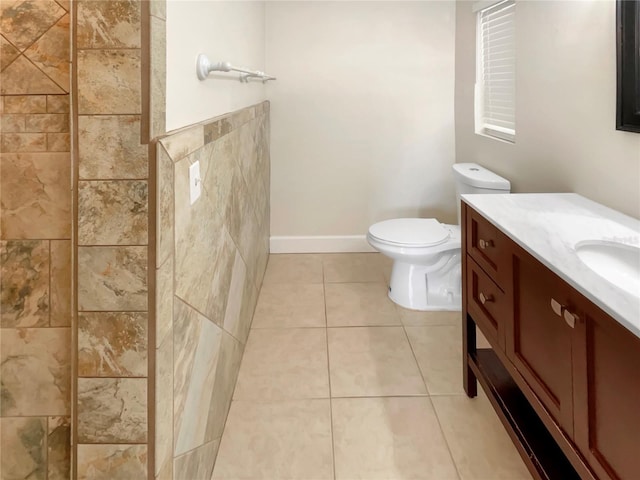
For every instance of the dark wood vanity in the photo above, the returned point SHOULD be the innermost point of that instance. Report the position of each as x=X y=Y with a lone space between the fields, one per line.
x=563 y=376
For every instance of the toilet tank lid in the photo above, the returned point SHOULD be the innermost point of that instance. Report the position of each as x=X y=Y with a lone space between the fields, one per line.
x=477 y=176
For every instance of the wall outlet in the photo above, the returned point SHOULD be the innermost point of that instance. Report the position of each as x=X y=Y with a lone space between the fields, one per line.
x=195 y=183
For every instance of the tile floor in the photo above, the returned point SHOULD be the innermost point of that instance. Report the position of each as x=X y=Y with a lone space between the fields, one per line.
x=337 y=382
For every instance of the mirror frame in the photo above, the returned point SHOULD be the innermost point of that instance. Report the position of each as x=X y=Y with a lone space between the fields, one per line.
x=628 y=65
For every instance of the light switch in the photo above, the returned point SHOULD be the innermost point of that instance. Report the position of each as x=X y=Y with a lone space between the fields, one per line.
x=195 y=183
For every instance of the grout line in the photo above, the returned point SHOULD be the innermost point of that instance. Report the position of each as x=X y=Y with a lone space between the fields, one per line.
x=446 y=440
x=326 y=336
x=415 y=358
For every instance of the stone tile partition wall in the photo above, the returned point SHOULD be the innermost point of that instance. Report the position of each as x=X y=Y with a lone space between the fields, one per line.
x=35 y=240
x=211 y=257
x=119 y=46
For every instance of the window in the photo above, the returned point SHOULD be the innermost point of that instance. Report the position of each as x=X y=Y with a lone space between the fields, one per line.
x=495 y=70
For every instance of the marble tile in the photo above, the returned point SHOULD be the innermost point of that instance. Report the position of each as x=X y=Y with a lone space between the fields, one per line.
x=414 y=318
x=58 y=142
x=23 y=142
x=284 y=364
x=25 y=104
x=158 y=85
x=47 y=122
x=36 y=195
x=357 y=304
x=60 y=284
x=193 y=385
x=109 y=147
x=50 y=53
x=478 y=442
x=108 y=24
x=36 y=371
x=164 y=405
x=22 y=77
x=23 y=441
x=23 y=21
x=290 y=305
x=164 y=301
x=158 y=8
x=8 y=53
x=202 y=275
x=112 y=410
x=24 y=283
x=57 y=104
x=198 y=463
x=392 y=437
x=112 y=278
x=352 y=267
x=12 y=123
x=109 y=82
x=166 y=470
x=113 y=212
x=109 y=462
x=294 y=268
x=276 y=440
x=222 y=180
x=227 y=370
x=372 y=361
x=165 y=205
x=249 y=300
x=58 y=448
x=112 y=344
x=438 y=350
x=180 y=144
x=234 y=322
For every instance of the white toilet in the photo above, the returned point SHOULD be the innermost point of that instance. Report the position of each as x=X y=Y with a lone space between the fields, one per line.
x=426 y=271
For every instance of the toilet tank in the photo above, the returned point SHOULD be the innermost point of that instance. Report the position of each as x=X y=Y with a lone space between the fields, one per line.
x=472 y=178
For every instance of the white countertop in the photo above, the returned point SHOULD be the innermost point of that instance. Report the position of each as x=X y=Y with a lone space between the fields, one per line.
x=549 y=225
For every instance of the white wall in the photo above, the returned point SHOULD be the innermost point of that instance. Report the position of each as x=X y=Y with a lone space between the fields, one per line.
x=230 y=31
x=362 y=114
x=565 y=105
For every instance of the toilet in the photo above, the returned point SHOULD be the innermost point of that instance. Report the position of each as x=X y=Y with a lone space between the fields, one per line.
x=426 y=272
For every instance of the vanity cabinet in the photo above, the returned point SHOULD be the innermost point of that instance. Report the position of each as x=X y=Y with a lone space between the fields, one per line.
x=563 y=376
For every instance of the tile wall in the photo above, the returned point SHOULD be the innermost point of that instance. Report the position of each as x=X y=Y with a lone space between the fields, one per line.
x=35 y=240
x=114 y=108
x=211 y=257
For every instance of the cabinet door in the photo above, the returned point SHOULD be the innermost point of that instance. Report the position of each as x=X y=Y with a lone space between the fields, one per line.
x=607 y=395
x=539 y=340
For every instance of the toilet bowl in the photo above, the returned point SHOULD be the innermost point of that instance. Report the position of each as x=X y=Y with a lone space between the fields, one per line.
x=426 y=272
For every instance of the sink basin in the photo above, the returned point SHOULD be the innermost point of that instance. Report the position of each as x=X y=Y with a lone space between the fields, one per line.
x=617 y=263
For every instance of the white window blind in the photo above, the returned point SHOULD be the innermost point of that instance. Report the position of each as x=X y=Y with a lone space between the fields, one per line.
x=496 y=69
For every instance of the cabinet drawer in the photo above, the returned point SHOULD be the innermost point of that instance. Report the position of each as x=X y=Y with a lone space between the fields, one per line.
x=487 y=304
x=488 y=246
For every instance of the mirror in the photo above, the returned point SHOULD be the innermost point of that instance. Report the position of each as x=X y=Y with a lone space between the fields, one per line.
x=628 y=59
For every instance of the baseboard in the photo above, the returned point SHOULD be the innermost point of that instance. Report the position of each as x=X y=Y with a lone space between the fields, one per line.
x=320 y=244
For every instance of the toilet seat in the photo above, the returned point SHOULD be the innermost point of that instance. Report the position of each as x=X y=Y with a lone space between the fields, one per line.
x=410 y=232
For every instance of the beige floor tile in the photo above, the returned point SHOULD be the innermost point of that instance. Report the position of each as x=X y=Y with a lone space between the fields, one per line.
x=358 y=304
x=284 y=364
x=480 y=446
x=352 y=267
x=294 y=268
x=284 y=440
x=290 y=305
x=438 y=350
x=372 y=361
x=415 y=318
x=389 y=438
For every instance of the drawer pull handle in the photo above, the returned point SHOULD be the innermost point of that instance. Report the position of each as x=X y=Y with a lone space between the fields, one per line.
x=484 y=299
x=562 y=311
x=484 y=244
x=570 y=318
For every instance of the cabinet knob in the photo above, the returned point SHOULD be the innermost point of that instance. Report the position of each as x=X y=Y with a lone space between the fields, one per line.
x=485 y=298
x=570 y=318
x=484 y=244
x=556 y=307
